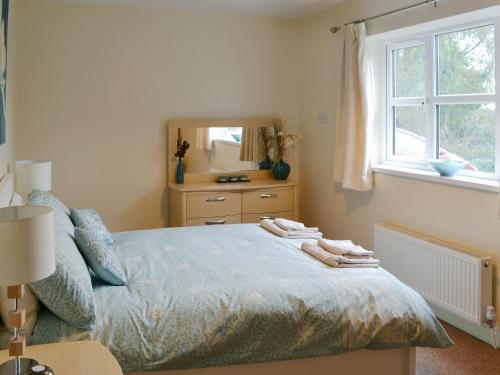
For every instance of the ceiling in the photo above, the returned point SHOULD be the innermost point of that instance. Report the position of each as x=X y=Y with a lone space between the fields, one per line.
x=273 y=8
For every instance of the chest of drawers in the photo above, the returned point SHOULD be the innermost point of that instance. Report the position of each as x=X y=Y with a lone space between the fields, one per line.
x=215 y=204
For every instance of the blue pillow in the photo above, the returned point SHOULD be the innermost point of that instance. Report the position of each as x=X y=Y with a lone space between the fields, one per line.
x=68 y=291
x=100 y=256
x=61 y=212
x=88 y=218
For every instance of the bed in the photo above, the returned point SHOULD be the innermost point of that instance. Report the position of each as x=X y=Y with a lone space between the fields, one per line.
x=237 y=299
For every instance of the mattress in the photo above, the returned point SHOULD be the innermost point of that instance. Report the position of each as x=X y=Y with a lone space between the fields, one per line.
x=219 y=295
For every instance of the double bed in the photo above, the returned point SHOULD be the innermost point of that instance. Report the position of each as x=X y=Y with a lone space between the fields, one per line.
x=236 y=299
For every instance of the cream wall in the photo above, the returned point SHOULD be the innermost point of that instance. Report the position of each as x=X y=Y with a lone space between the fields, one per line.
x=463 y=216
x=98 y=84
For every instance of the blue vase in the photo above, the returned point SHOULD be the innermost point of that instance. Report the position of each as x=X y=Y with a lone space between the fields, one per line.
x=179 y=177
x=281 y=170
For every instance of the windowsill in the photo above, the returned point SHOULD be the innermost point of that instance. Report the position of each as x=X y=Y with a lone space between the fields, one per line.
x=459 y=181
x=226 y=142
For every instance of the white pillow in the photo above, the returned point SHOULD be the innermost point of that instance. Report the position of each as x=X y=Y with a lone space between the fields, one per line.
x=29 y=302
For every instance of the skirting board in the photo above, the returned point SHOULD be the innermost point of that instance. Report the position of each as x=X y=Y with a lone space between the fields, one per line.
x=482 y=333
x=374 y=362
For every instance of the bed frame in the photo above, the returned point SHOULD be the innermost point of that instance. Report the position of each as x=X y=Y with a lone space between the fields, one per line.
x=374 y=362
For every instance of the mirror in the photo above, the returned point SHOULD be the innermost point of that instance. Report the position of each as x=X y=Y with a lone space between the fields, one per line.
x=227 y=149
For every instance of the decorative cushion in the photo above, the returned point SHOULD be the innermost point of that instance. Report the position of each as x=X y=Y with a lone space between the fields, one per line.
x=88 y=218
x=29 y=303
x=100 y=256
x=68 y=292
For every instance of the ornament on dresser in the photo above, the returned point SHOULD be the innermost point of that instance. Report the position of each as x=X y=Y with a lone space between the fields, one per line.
x=283 y=150
x=182 y=147
x=267 y=135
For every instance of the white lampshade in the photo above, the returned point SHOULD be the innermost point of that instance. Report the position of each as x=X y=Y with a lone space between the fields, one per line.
x=27 y=244
x=33 y=174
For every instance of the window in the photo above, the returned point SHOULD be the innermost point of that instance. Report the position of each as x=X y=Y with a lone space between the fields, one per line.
x=441 y=100
x=226 y=134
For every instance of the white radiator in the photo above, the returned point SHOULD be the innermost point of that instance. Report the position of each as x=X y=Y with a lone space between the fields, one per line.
x=443 y=274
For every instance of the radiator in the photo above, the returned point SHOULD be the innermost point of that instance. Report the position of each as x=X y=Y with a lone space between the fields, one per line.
x=445 y=275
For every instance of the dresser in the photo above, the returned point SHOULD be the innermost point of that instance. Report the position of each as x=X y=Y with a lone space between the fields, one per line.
x=212 y=203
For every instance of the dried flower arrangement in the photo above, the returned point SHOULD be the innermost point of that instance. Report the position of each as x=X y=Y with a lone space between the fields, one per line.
x=182 y=147
x=284 y=141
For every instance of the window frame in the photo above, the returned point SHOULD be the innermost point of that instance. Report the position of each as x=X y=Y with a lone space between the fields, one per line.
x=432 y=100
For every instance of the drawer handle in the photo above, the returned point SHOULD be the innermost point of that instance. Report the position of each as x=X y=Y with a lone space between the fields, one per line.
x=215 y=199
x=215 y=222
x=267 y=217
x=269 y=195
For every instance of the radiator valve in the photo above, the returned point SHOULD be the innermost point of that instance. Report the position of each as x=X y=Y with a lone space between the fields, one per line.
x=491 y=316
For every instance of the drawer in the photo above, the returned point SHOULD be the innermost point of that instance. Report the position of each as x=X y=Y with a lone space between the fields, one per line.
x=256 y=218
x=273 y=200
x=212 y=205
x=234 y=219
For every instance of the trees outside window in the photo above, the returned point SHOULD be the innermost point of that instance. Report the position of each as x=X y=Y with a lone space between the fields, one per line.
x=441 y=96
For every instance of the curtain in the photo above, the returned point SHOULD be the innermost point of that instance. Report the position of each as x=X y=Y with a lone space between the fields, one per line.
x=354 y=123
x=251 y=145
x=203 y=141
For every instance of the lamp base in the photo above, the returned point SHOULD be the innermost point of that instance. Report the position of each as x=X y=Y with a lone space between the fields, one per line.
x=9 y=367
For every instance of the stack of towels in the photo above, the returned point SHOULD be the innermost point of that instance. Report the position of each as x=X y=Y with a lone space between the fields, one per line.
x=290 y=229
x=341 y=254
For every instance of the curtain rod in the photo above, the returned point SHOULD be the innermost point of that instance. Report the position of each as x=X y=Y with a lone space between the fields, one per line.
x=334 y=29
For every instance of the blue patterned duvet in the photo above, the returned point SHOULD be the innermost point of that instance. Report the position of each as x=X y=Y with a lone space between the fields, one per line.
x=210 y=296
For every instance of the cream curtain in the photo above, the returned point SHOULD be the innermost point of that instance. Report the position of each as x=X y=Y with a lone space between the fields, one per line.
x=354 y=112
x=251 y=145
x=203 y=141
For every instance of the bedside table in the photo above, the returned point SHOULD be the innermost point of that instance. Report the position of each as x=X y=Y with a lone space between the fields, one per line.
x=75 y=358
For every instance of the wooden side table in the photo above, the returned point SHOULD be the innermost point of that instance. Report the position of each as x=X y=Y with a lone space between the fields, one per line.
x=75 y=358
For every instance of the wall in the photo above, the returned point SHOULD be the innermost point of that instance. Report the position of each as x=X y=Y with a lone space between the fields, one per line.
x=98 y=84
x=462 y=216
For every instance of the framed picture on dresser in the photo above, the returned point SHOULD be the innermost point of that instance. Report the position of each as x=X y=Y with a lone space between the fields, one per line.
x=4 y=8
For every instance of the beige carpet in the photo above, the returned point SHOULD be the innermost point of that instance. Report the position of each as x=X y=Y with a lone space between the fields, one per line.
x=469 y=356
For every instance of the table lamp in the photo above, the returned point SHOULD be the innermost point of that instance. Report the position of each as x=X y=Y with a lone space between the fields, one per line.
x=32 y=174
x=27 y=255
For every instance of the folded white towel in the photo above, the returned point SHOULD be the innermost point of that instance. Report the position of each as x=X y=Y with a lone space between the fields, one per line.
x=337 y=260
x=343 y=247
x=290 y=225
x=347 y=260
x=356 y=256
x=346 y=265
x=273 y=228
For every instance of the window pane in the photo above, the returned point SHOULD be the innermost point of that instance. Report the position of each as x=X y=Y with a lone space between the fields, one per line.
x=409 y=72
x=467 y=132
x=409 y=132
x=467 y=61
